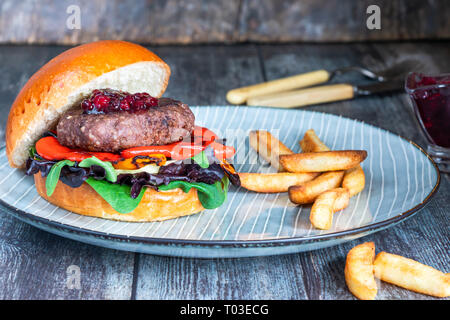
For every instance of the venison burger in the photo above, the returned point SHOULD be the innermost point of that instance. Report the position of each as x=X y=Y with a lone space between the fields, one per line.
x=93 y=130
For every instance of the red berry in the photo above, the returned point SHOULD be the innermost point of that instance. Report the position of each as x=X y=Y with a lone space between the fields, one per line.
x=96 y=93
x=87 y=105
x=138 y=105
x=124 y=105
x=108 y=100
x=101 y=101
x=153 y=102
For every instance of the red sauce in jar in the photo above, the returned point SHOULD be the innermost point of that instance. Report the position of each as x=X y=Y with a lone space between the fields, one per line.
x=432 y=98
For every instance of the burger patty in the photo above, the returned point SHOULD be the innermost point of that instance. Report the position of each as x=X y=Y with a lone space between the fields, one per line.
x=166 y=123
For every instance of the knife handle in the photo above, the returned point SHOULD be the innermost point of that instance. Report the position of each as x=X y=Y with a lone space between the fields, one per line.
x=240 y=95
x=305 y=97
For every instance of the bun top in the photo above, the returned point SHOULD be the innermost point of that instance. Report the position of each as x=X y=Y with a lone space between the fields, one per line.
x=69 y=77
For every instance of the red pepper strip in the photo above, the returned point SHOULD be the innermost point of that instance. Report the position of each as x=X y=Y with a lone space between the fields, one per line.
x=176 y=151
x=184 y=150
x=49 y=148
x=222 y=152
x=205 y=134
x=181 y=150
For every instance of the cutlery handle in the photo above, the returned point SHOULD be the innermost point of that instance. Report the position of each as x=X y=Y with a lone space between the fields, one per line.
x=305 y=97
x=240 y=95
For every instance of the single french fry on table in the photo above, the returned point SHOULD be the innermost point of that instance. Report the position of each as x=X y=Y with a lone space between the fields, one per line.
x=359 y=271
x=274 y=182
x=310 y=190
x=322 y=161
x=411 y=275
x=325 y=205
x=268 y=147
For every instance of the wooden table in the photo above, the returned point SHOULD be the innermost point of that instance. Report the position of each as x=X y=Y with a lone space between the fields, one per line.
x=33 y=263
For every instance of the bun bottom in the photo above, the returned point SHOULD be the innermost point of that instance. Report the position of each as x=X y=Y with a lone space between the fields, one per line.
x=154 y=206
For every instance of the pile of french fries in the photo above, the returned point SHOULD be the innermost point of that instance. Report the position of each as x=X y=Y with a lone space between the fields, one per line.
x=362 y=267
x=318 y=175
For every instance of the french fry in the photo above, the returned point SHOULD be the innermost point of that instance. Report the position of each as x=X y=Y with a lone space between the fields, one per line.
x=342 y=199
x=359 y=271
x=321 y=215
x=268 y=147
x=411 y=275
x=322 y=161
x=310 y=190
x=354 y=180
x=273 y=182
x=312 y=143
x=325 y=205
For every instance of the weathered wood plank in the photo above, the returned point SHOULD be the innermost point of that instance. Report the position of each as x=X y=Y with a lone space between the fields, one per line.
x=203 y=21
x=160 y=22
x=202 y=75
x=343 y=20
x=34 y=265
x=250 y=278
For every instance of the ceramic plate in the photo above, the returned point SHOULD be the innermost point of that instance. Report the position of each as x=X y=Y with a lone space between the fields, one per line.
x=400 y=180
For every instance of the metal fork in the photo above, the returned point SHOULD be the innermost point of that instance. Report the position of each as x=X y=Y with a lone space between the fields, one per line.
x=398 y=70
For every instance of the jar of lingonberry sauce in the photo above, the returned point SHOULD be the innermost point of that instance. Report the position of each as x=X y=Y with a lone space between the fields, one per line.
x=431 y=101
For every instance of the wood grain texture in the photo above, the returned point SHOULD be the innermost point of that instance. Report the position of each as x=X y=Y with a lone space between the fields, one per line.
x=201 y=75
x=231 y=21
x=34 y=266
x=343 y=20
x=160 y=21
x=33 y=263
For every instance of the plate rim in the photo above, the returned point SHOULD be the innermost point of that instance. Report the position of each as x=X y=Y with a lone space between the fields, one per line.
x=24 y=216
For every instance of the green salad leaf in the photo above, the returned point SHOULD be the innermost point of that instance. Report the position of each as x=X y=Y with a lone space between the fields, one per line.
x=211 y=196
x=111 y=174
x=32 y=152
x=53 y=175
x=201 y=159
x=118 y=196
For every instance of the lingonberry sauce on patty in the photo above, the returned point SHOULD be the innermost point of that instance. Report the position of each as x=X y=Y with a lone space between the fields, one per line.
x=108 y=100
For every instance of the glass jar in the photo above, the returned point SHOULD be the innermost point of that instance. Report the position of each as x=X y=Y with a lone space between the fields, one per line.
x=430 y=95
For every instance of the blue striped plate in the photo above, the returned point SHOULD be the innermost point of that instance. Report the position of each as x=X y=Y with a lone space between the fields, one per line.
x=400 y=180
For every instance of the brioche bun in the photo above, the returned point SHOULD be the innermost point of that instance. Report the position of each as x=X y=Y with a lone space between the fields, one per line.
x=71 y=76
x=154 y=206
